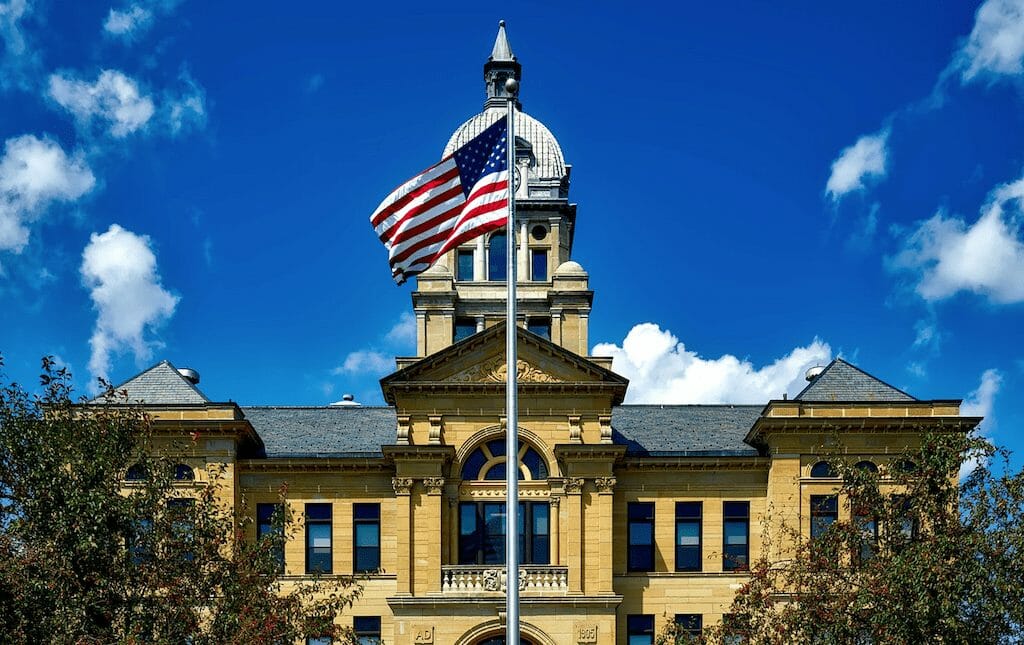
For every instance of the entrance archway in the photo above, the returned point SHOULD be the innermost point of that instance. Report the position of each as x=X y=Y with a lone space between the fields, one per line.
x=493 y=633
x=500 y=640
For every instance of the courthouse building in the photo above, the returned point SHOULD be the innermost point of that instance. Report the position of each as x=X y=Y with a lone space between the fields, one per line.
x=631 y=515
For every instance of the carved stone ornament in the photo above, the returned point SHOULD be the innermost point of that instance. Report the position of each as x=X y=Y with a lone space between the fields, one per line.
x=435 y=430
x=492 y=580
x=403 y=485
x=423 y=634
x=495 y=371
x=575 y=432
x=606 y=428
x=403 y=430
x=574 y=485
x=605 y=484
x=434 y=485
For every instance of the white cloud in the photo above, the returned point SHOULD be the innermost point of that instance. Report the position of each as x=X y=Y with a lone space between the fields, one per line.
x=927 y=335
x=125 y=23
x=979 y=403
x=404 y=332
x=995 y=46
x=17 y=59
x=945 y=255
x=365 y=361
x=865 y=158
x=113 y=98
x=120 y=271
x=187 y=108
x=34 y=174
x=661 y=370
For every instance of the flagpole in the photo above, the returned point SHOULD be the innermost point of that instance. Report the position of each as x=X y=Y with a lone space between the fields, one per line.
x=511 y=392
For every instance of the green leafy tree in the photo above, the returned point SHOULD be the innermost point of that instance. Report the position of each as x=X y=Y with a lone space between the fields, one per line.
x=922 y=558
x=86 y=557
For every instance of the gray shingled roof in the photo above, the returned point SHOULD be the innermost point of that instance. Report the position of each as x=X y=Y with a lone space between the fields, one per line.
x=655 y=430
x=681 y=430
x=160 y=384
x=841 y=381
x=323 y=431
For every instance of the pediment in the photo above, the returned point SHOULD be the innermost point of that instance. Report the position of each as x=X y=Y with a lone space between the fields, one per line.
x=480 y=361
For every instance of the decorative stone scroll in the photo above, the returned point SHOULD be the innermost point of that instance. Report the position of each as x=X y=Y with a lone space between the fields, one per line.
x=605 y=484
x=403 y=430
x=403 y=485
x=574 y=485
x=575 y=431
x=435 y=429
x=434 y=485
x=496 y=371
x=606 y=428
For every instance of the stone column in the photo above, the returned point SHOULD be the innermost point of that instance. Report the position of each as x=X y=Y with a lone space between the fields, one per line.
x=601 y=520
x=574 y=532
x=524 y=251
x=479 y=259
x=453 y=528
x=427 y=540
x=556 y=533
x=404 y=531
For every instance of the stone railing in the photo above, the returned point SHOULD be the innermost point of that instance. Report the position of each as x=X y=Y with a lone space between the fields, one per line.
x=539 y=579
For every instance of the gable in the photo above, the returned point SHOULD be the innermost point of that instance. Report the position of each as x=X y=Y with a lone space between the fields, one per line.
x=160 y=384
x=842 y=381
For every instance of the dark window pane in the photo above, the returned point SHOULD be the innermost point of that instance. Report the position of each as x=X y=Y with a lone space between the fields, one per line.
x=497 y=447
x=366 y=518
x=690 y=623
x=464 y=270
x=496 y=472
x=535 y=463
x=689 y=509
x=540 y=326
x=640 y=629
x=868 y=466
x=464 y=328
x=539 y=264
x=736 y=534
x=471 y=469
x=823 y=469
x=319 y=555
x=318 y=511
x=366 y=511
x=641 y=536
x=136 y=472
x=496 y=250
x=824 y=511
x=270 y=523
x=367 y=629
x=183 y=472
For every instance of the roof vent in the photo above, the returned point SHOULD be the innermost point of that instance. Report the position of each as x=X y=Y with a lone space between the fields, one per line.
x=814 y=372
x=189 y=375
x=347 y=401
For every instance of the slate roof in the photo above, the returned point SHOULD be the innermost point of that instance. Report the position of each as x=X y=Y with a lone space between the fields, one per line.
x=160 y=384
x=841 y=381
x=653 y=430
x=684 y=430
x=323 y=431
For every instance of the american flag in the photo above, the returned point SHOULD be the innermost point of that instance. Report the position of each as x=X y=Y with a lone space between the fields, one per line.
x=461 y=197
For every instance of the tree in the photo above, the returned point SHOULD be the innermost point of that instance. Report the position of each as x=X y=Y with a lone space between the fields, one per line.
x=918 y=558
x=88 y=557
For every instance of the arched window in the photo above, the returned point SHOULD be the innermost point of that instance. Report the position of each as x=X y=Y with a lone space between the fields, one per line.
x=867 y=466
x=823 y=469
x=183 y=472
x=905 y=466
x=496 y=254
x=136 y=473
x=487 y=462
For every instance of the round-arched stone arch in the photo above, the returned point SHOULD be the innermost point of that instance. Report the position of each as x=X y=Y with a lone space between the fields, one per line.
x=493 y=432
x=496 y=629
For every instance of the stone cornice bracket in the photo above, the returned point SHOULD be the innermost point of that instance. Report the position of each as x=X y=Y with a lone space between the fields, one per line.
x=435 y=429
x=573 y=485
x=434 y=485
x=575 y=431
x=403 y=430
x=606 y=428
x=403 y=485
x=605 y=485
x=555 y=500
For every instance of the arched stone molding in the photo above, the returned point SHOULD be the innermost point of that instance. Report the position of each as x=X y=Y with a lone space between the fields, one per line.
x=494 y=628
x=493 y=432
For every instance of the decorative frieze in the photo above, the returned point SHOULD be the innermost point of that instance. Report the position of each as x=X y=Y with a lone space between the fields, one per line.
x=533 y=579
x=605 y=485
x=573 y=485
x=496 y=371
x=434 y=485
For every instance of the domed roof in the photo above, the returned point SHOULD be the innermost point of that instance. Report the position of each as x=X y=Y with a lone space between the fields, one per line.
x=570 y=268
x=548 y=162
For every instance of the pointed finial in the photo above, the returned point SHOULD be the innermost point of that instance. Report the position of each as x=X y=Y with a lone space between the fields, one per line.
x=502 y=51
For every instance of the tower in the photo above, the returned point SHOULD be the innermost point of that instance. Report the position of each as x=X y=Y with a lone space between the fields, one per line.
x=464 y=293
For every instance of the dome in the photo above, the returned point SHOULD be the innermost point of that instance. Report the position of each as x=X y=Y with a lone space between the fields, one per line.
x=547 y=161
x=570 y=269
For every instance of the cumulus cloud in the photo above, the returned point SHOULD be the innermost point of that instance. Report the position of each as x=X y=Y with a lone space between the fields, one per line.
x=376 y=361
x=128 y=21
x=995 y=46
x=119 y=269
x=979 y=403
x=34 y=174
x=867 y=158
x=662 y=370
x=112 y=99
x=364 y=361
x=403 y=334
x=946 y=255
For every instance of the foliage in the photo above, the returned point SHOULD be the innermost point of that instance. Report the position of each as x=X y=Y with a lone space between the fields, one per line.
x=945 y=566
x=86 y=557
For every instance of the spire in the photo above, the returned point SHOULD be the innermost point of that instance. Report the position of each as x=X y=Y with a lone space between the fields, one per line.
x=500 y=66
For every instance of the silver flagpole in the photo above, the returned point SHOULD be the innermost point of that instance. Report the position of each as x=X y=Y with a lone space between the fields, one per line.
x=511 y=398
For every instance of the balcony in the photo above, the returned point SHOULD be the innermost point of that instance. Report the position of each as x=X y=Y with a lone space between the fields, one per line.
x=534 y=579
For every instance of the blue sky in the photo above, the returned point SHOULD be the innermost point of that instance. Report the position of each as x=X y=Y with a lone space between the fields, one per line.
x=761 y=186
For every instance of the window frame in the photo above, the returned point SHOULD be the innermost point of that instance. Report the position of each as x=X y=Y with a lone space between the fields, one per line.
x=823 y=470
x=640 y=626
x=683 y=519
x=821 y=517
x=689 y=626
x=729 y=561
x=371 y=518
x=639 y=557
x=535 y=255
x=265 y=525
x=460 y=254
x=532 y=543
x=369 y=629
x=502 y=267
x=310 y=570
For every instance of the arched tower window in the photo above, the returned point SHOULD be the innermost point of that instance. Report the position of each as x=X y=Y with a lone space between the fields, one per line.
x=497 y=248
x=183 y=472
x=488 y=462
x=823 y=469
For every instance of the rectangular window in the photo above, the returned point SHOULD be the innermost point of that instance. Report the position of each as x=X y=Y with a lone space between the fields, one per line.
x=736 y=536
x=824 y=512
x=319 y=557
x=640 y=629
x=182 y=514
x=270 y=525
x=868 y=526
x=641 y=536
x=540 y=326
x=735 y=630
x=366 y=531
x=539 y=265
x=908 y=525
x=367 y=629
x=482 y=533
x=690 y=624
x=140 y=544
x=464 y=268
x=688 y=533
x=464 y=328
x=323 y=640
